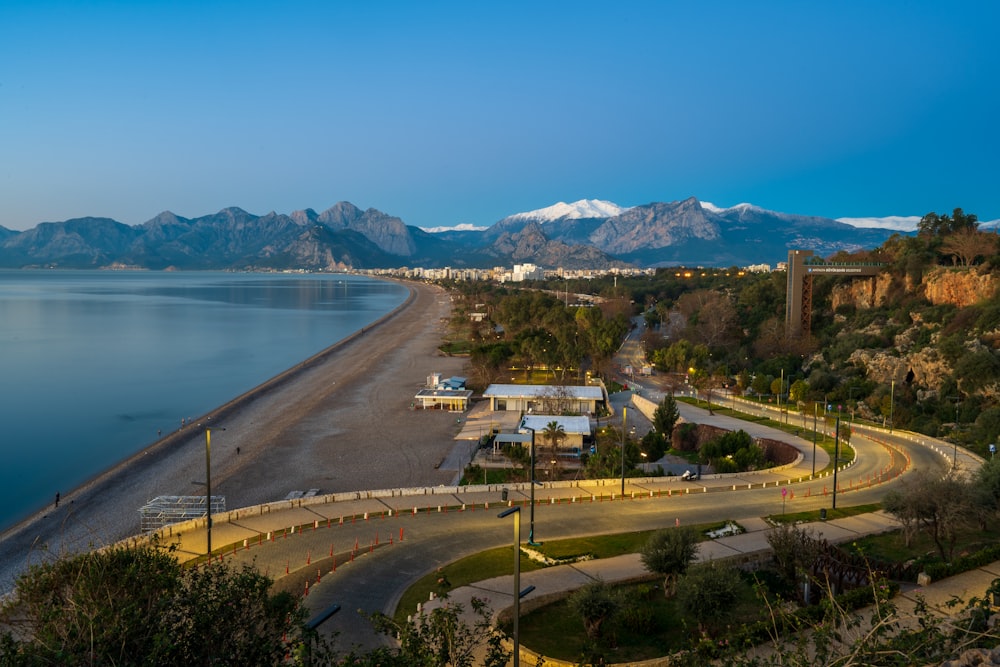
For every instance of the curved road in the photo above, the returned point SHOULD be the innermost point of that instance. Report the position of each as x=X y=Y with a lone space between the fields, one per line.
x=383 y=541
x=378 y=575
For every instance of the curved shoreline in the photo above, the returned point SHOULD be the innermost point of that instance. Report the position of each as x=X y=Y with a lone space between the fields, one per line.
x=284 y=428
x=228 y=408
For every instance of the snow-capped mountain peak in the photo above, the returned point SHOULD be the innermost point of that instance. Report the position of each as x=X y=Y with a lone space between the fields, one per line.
x=463 y=227
x=584 y=208
x=902 y=223
x=708 y=206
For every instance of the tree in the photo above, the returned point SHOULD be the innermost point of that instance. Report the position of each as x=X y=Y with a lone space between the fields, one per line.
x=761 y=384
x=665 y=416
x=654 y=445
x=967 y=244
x=597 y=604
x=986 y=490
x=707 y=593
x=795 y=550
x=779 y=386
x=704 y=384
x=135 y=605
x=797 y=392
x=669 y=553
x=441 y=637
x=554 y=433
x=940 y=507
x=933 y=224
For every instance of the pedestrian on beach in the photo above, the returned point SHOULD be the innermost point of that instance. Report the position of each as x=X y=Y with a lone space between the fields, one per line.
x=57 y=499
x=237 y=451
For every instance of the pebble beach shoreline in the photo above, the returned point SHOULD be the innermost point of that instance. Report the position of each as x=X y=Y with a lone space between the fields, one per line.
x=340 y=421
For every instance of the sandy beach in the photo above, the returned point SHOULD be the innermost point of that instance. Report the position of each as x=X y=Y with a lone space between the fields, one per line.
x=340 y=421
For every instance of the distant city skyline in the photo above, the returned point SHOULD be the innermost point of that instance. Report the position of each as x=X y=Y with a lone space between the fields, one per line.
x=446 y=113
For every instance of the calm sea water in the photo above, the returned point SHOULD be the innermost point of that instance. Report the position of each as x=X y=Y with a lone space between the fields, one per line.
x=94 y=364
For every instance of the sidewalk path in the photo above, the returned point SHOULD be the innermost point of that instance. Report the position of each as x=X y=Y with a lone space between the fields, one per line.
x=564 y=578
x=553 y=582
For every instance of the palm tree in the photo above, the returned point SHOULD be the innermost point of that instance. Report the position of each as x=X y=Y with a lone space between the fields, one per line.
x=554 y=433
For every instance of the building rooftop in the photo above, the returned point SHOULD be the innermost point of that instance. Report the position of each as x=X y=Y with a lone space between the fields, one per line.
x=544 y=391
x=569 y=424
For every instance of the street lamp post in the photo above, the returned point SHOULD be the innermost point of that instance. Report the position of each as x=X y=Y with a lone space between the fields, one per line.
x=836 y=459
x=531 y=528
x=516 y=511
x=954 y=436
x=892 y=393
x=208 y=486
x=815 y=436
x=624 y=418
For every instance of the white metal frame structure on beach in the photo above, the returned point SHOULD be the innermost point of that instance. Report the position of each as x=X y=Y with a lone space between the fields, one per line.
x=165 y=510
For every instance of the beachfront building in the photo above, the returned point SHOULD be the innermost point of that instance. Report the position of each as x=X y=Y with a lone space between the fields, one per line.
x=443 y=399
x=443 y=394
x=544 y=398
x=576 y=429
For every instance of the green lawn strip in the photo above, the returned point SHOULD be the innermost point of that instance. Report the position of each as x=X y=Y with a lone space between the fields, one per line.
x=477 y=567
x=499 y=562
x=824 y=442
x=651 y=626
x=892 y=546
x=814 y=515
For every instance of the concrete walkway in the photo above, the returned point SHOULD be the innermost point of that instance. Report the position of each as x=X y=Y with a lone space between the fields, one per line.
x=552 y=582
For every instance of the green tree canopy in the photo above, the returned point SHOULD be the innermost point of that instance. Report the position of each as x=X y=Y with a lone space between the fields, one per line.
x=669 y=552
x=665 y=416
x=707 y=594
x=134 y=605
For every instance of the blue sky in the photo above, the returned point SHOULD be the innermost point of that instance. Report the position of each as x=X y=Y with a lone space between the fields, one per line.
x=454 y=112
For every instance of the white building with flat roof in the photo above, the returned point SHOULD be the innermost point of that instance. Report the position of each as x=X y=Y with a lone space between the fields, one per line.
x=544 y=398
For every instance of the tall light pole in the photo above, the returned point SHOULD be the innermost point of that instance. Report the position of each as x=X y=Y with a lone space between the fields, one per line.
x=781 y=390
x=892 y=392
x=815 y=436
x=954 y=436
x=516 y=511
x=208 y=485
x=531 y=527
x=624 y=418
x=836 y=459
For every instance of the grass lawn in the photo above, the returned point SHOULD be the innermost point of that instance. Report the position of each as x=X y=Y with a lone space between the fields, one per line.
x=480 y=566
x=500 y=561
x=813 y=515
x=892 y=546
x=651 y=626
x=823 y=442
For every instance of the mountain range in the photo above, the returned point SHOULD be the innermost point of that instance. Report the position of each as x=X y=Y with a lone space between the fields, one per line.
x=590 y=234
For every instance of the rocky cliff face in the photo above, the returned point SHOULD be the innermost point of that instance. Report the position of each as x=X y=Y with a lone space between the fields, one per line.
x=863 y=292
x=958 y=286
x=921 y=365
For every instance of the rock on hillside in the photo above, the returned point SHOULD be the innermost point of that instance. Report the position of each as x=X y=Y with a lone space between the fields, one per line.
x=959 y=286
